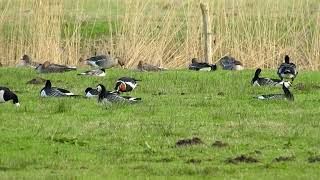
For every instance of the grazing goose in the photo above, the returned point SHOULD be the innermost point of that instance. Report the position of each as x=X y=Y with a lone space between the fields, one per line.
x=94 y=72
x=27 y=62
x=287 y=94
x=47 y=67
x=113 y=97
x=104 y=61
x=89 y=92
x=126 y=84
x=7 y=95
x=144 y=67
x=48 y=90
x=230 y=63
x=287 y=70
x=198 y=66
x=262 y=81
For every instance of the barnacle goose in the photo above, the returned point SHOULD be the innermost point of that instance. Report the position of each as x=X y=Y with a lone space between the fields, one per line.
x=48 y=90
x=287 y=70
x=90 y=92
x=230 y=63
x=199 y=66
x=287 y=94
x=113 y=97
x=263 y=81
x=7 y=95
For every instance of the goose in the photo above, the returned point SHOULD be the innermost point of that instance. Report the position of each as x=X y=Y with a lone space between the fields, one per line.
x=90 y=92
x=144 y=67
x=126 y=84
x=7 y=95
x=230 y=63
x=198 y=66
x=48 y=90
x=94 y=72
x=26 y=61
x=287 y=94
x=113 y=97
x=104 y=61
x=262 y=81
x=47 y=67
x=287 y=70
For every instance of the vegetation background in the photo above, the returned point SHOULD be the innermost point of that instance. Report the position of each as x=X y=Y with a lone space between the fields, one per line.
x=161 y=32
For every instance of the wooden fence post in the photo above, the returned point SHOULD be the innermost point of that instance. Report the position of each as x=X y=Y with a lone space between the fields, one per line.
x=207 y=33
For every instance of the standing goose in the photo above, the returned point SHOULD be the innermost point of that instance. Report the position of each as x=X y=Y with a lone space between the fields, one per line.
x=262 y=81
x=113 y=97
x=104 y=61
x=90 y=92
x=287 y=94
x=230 y=63
x=7 y=95
x=126 y=84
x=48 y=90
x=94 y=72
x=287 y=70
x=47 y=67
x=198 y=66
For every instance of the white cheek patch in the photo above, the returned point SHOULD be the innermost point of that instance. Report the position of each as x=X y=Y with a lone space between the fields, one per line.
x=43 y=93
x=1 y=96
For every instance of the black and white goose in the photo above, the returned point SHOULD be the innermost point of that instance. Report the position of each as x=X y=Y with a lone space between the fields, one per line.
x=126 y=84
x=94 y=72
x=287 y=70
x=263 y=81
x=48 y=90
x=287 y=94
x=230 y=63
x=113 y=97
x=90 y=92
x=7 y=95
x=198 y=66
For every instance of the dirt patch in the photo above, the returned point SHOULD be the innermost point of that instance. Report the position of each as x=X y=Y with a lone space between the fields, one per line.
x=284 y=158
x=65 y=140
x=165 y=160
x=314 y=159
x=189 y=142
x=220 y=93
x=193 y=161
x=242 y=159
x=183 y=93
x=219 y=144
x=36 y=80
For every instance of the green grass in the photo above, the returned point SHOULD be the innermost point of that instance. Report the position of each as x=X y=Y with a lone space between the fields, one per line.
x=77 y=137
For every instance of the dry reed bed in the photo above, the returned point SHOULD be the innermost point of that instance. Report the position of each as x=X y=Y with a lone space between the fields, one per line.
x=162 y=32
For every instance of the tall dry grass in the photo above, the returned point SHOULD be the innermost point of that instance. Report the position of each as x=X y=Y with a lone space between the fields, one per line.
x=162 y=32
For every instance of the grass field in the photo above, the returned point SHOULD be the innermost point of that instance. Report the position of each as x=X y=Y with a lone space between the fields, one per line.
x=77 y=137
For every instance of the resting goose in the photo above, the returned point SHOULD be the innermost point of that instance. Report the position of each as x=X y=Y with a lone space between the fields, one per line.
x=104 y=61
x=126 y=84
x=94 y=72
x=230 y=63
x=113 y=97
x=26 y=61
x=7 y=95
x=287 y=94
x=144 y=67
x=47 y=67
x=287 y=70
x=262 y=81
x=198 y=66
x=90 y=92
x=48 y=90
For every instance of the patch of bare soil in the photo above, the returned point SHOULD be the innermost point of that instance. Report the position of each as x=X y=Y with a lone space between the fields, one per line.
x=284 y=158
x=219 y=144
x=314 y=159
x=220 y=93
x=189 y=142
x=193 y=161
x=36 y=80
x=242 y=159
